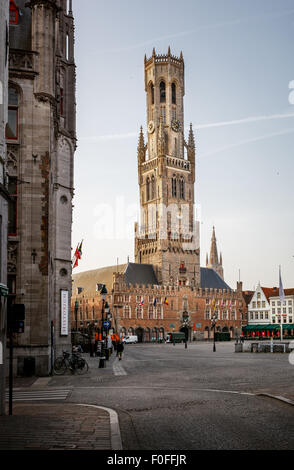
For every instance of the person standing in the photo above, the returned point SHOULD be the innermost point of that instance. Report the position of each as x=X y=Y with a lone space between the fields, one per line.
x=119 y=350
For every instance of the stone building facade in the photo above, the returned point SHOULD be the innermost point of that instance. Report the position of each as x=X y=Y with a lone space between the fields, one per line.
x=41 y=141
x=4 y=24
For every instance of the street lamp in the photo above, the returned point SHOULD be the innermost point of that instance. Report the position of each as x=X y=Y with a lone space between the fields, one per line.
x=213 y=323
x=76 y=313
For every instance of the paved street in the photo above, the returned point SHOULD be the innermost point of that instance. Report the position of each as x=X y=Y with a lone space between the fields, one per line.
x=171 y=398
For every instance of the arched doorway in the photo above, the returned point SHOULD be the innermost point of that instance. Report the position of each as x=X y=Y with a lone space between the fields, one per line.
x=147 y=335
x=140 y=333
x=225 y=329
x=154 y=335
x=161 y=335
x=206 y=333
x=122 y=332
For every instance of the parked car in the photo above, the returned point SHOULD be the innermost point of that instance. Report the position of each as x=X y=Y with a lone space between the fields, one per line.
x=130 y=339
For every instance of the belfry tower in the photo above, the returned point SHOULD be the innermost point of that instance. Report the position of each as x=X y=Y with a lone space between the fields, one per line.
x=167 y=236
x=213 y=262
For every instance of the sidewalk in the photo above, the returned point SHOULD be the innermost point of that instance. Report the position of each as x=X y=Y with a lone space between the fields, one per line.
x=62 y=426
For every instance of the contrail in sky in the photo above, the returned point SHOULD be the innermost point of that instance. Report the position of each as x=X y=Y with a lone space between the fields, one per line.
x=247 y=141
x=196 y=127
x=275 y=14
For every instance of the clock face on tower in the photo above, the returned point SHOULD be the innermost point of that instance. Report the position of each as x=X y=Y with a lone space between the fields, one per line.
x=151 y=127
x=176 y=125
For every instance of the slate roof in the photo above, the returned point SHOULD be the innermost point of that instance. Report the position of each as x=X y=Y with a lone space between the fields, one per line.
x=140 y=274
x=88 y=279
x=211 y=280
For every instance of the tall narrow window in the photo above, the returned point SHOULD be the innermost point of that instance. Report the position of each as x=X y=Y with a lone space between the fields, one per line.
x=174 y=98
x=162 y=92
x=12 y=125
x=67 y=47
x=182 y=188
x=174 y=187
x=152 y=93
x=147 y=189
x=12 y=206
x=153 y=188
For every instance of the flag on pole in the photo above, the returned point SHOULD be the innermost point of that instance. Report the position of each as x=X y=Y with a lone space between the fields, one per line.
x=77 y=255
x=141 y=303
x=165 y=301
x=155 y=302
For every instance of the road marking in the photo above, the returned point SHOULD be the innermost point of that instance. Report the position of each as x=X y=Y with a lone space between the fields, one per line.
x=38 y=395
x=118 y=368
x=164 y=387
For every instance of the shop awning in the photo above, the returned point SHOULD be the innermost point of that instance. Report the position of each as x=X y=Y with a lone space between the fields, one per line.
x=3 y=290
x=272 y=326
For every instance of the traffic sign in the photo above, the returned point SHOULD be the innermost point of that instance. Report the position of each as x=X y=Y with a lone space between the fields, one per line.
x=106 y=324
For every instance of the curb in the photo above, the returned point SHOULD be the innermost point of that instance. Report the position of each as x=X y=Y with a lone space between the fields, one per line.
x=283 y=399
x=115 y=436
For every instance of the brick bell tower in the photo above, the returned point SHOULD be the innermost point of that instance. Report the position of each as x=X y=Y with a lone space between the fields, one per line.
x=167 y=236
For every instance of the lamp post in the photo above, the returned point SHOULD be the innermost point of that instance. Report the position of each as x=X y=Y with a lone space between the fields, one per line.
x=103 y=294
x=213 y=323
x=76 y=313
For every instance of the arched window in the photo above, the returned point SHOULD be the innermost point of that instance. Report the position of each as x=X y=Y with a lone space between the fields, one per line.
x=153 y=187
x=182 y=188
x=12 y=125
x=162 y=92
x=173 y=89
x=174 y=186
x=147 y=189
x=152 y=93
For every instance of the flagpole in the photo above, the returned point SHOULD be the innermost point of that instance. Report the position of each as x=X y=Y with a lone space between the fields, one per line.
x=281 y=293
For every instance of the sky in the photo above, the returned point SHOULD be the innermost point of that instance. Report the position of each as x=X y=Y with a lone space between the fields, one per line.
x=239 y=84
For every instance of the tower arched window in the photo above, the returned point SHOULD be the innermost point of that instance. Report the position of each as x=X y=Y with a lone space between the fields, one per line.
x=174 y=95
x=147 y=189
x=174 y=186
x=153 y=188
x=152 y=93
x=162 y=92
x=182 y=188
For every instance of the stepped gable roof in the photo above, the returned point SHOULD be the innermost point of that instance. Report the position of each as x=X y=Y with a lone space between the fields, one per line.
x=136 y=273
x=88 y=279
x=211 y=280
x=274 y=292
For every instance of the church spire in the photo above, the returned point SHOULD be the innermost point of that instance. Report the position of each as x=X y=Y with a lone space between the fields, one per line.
x=213 y=258
x=141 y=147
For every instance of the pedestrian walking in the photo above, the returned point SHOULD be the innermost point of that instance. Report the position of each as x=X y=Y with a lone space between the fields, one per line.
x=119 y=350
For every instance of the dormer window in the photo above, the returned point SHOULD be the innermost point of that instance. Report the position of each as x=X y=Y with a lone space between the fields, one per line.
x=13 y=13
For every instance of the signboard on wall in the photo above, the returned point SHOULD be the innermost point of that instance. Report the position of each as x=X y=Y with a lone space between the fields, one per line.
x=64 y=313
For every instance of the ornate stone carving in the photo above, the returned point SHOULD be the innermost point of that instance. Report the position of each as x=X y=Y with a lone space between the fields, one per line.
x=12 y=258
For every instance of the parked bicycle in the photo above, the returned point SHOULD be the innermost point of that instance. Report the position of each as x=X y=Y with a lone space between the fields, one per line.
x=74 y=362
